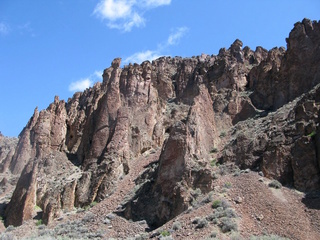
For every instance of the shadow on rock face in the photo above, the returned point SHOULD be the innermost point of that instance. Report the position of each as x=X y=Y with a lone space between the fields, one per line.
x=312 y=200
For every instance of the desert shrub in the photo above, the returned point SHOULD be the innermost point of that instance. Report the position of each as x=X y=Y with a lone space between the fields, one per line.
x=39 y=222
x=220 y=203
x=216 y=203
x=142 y=236
x=89 y=217
x=196 y=192
x=202 y=223
x=195 y=220
x=235 y=236
x=213 y=234
x=223 y=134
x=176 y=226
x=7 y=236
x=225 y=204
x=214 y=150
x=111 y=216
x=230 y=213
x=166 y=238
x=211 y=217
x=45 y=232
x=228 y=185
x=10 y=228
x=268 y=237
x=165 y=233
x=275 y=184
x=213 y=162
x=237 y=173
x=227 y=225
x=208 y=198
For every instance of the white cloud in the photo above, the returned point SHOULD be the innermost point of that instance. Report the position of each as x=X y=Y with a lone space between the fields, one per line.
x=97 y=75
x=142 y=56
x=113 y=9
x=80 y=85
x=156 y=3
x=134 y=21
x=4 y=28
x=84 y=83
x=176 y=36
x=125 y=14
x=150 y=55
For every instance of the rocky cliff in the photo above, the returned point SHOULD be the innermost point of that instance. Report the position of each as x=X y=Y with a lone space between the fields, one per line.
x=257 y=109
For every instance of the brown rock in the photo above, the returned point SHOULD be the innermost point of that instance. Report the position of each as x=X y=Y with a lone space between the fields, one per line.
x=21 y=206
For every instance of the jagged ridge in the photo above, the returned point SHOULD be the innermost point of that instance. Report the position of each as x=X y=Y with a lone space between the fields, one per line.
x=184 y=106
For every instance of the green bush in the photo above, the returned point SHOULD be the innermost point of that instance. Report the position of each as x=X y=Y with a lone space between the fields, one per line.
x=39 y=222
x=216 y=204
x=312 y=134
x=213 y=162
x=165 y=233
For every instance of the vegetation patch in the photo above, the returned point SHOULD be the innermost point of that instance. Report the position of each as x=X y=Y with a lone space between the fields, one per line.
x=227 y=225
x=223 y=134
x=228 y=185
x=214 y=150
x=268 y=237
x=312 y=134
x=176 y=226
x=213 y=162
x=275 y=184
x=216 y=203
x=165 y=233
x=39 y=222
x=202 y=223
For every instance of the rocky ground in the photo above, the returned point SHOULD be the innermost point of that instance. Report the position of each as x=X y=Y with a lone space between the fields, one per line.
x=247 y=207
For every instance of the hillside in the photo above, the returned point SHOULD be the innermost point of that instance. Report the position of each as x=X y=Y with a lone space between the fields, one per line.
x=223 y=146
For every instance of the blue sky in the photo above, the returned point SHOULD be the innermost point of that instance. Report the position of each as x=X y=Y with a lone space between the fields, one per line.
x=57 y=47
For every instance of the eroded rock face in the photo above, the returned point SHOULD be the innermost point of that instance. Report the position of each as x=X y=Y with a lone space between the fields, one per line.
x=287 y=74
x=187 y=107
x=7 y=149
x=23 y=199
x=284 y=144
x=44 y=133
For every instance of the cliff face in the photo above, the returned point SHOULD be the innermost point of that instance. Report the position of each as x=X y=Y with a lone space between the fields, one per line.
x=257 y=109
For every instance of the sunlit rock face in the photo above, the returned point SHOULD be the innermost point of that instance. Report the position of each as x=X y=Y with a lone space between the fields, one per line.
x=255 y=108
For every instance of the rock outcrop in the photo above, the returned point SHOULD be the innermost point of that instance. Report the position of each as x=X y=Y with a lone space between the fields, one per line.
x=7 y=149
x=257 y=109
x=285 y=75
